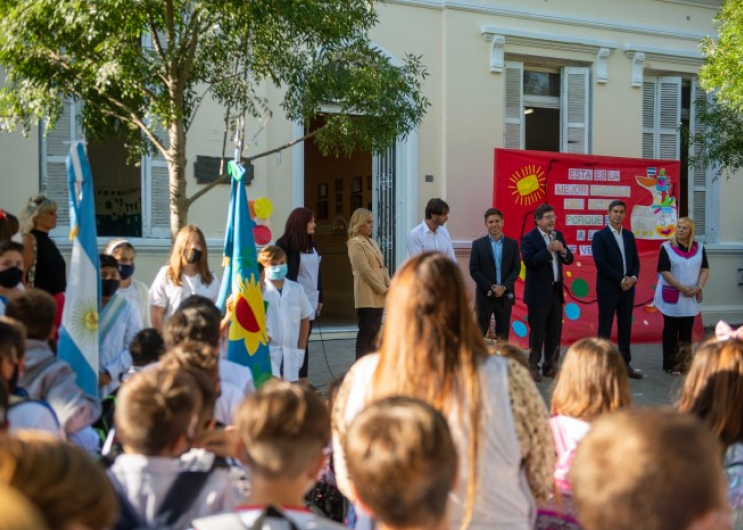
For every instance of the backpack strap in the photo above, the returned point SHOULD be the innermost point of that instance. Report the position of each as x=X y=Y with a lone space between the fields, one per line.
x=181 y=496
x=222 y=521
x=274 y=512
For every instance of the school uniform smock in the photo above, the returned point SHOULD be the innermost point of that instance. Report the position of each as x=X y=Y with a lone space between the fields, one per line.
x=284 y=314
x=119 y=323
x=138 y=295
x=685 y=265
x=164 y=293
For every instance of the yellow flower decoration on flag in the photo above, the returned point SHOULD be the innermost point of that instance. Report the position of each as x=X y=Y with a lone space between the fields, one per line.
x=245 y=324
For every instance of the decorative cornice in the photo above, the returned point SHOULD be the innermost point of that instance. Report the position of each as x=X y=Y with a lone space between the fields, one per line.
x=555 y=18
x=671 y=55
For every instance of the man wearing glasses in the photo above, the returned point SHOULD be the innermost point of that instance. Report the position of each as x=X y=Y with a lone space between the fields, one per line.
x=544 y=252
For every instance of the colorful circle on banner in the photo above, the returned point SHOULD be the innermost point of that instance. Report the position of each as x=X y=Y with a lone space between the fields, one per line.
x=263 y=208
x=519 y=328
x=251 y=207
x=580 y=287
x=262 y=235
x=572 y=311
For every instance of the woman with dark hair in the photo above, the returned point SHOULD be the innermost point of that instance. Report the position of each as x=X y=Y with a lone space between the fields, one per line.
x=44 y=266
x=432 y=350
x=9 y=226
x=187 y=273
x=11 y=271
x=304 y=264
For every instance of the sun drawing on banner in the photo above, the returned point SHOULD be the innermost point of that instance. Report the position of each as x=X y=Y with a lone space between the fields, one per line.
x=245 y=324
x=83 y=321
x=527 y=185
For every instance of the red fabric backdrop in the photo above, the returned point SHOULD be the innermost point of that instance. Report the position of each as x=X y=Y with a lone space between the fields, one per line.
x=580 y=187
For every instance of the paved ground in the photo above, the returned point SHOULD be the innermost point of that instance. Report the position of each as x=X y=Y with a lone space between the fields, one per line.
x=333 y=354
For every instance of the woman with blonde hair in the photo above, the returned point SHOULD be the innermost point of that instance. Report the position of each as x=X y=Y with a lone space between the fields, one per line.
x=44 y=266
x=592 y=381
x=60 y=479
x=432 y=350
x=370 y=279
x=187 y=273
x=683 y=270
x=713 y=392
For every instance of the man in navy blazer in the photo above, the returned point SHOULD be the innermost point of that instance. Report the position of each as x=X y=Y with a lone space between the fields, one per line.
x=617 y=268
x=544 y=252
x=494 y=265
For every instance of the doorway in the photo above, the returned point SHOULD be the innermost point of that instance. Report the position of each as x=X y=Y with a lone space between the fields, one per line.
x=333 y=188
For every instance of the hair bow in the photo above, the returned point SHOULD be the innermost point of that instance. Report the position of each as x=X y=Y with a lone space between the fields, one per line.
x=2 y=214
x=723 y=331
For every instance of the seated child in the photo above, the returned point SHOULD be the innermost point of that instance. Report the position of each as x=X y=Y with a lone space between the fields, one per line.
x=48 y=378
x=402 y=462
x=287 y=315
x=285 y=429
x=157 y=416
x=22 y=412
x=649 y=469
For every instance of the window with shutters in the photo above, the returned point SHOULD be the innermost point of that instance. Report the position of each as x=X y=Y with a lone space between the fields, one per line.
x=131 y=201
x=547 y=108
x=669 y=104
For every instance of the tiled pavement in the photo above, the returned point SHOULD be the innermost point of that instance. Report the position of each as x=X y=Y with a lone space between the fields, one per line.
x=333 y=353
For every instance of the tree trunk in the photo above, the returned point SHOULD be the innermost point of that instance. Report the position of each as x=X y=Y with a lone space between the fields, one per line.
x=179 y=203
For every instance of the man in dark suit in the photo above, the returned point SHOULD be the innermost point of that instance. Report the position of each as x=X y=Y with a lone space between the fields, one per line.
x=494 y=265
x=544 y=252
x=617 y=267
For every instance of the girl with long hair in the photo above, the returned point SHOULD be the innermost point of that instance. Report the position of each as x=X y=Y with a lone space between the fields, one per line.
x=432 y=350
x=303 y=260
x=187 y=273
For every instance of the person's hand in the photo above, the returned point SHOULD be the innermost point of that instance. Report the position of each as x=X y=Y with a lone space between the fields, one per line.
x=556 y=246
x=229 y=309
x=499 y=290
x=222 y=442
x=627 y=283
x=687 y=291
x=104 y=378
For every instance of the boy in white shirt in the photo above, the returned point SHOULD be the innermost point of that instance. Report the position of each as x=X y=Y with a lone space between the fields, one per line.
x=285 y=429
x=118 y=324
x=287 y=315
x=157 y=415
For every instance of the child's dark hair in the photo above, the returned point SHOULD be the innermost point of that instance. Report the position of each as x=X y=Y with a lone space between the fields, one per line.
x=35 y=309
x=107 y=260
x=146 y=347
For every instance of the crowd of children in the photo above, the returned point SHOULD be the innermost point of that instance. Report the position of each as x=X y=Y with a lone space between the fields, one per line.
x=437 y=431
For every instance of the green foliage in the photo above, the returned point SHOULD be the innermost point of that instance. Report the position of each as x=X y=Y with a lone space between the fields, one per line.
x=138 y=64
x=720 y=143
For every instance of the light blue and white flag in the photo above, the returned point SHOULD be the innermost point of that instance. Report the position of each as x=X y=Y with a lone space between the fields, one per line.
x=78 y=338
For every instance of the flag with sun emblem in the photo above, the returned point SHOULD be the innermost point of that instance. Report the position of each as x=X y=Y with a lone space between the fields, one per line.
x=78 y=338
x=248 y=340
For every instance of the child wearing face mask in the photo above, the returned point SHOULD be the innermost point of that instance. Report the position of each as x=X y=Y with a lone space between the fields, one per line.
x=288 y=314
x=186 y=273
x=118 y=324
x=11 y=271
x=133 y=290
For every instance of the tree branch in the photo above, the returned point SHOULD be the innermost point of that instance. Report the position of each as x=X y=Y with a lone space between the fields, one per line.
x=224 y=179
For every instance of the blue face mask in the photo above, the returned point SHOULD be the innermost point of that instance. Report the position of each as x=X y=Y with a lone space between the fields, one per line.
x=276 y=272
x=126 y=271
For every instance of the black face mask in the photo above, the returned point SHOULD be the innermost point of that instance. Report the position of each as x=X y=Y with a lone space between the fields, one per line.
x=9 y=278
x=194 y=256
x=108 y=287
x=126 y=271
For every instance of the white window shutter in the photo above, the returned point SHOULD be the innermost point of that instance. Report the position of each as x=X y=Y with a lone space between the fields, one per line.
x=513 y=136
x=701 y=176
x=669 y=118
x=575 y=113
x=156 y=199
x=648 y=117
x=55 y=146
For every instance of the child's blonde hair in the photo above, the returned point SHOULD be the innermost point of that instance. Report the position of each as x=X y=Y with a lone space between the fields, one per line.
x=270 y=254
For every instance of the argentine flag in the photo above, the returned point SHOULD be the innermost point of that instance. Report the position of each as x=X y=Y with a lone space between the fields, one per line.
x=78 y=338
x=248 y=344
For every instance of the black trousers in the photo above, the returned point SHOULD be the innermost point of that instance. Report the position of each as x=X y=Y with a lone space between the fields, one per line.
x=621 y=304
x=545 y=330
x=485 y=307
x=306 y=362
x=676 y=334
x=370 y=322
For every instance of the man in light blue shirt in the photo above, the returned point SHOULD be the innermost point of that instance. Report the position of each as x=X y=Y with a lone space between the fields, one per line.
x=430 y=235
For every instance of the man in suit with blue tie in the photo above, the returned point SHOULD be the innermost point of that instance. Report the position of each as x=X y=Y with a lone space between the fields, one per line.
x=494 y=265
x=617 y=267
x=544 y=252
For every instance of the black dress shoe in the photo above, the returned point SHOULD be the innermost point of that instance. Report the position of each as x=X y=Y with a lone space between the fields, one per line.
x=534 y=371
x=549 y=372
x=634 y=375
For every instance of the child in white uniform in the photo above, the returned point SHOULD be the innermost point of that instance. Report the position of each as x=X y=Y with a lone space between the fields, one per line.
x=287 y=315
x=133 y=290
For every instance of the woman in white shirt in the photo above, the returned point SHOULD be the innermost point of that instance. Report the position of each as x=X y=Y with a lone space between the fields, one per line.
x=186 y=273
x=133 y=290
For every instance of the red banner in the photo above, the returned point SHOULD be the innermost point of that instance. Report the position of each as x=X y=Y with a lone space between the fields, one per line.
x=580 y=188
